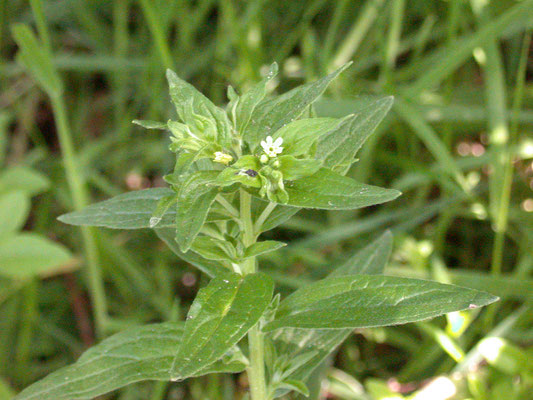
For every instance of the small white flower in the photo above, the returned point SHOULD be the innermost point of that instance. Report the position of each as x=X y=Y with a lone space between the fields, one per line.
x=222 y=158
x=272 y=148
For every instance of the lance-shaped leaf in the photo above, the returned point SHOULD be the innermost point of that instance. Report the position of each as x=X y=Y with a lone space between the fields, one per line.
x=366 y=301
x=331 y=191
x=144 y=353
x=131 y=210
x=249 y=100
x=195 y=197
x=314 y=345
x=208 y=267
x=220 y=316
x=280 y=215
x=162 y=208
x=338 y=148
x=259 y=248
x=294 y=168
x=184 y=95
x=148 y=124
x=307 y=347
x=272 y=114
x=300 y=135
x=214 y=249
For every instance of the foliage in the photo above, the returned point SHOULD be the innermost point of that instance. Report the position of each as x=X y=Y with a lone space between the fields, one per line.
x=208 y=144
x=455 y=141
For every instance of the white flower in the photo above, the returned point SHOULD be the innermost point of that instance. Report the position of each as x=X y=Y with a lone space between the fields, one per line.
x=222 y=158
x=272 y=148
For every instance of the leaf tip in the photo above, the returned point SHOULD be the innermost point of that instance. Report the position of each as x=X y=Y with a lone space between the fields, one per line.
x=65 y=218
x=273 y=70
x=171 y=75
x=183 y=245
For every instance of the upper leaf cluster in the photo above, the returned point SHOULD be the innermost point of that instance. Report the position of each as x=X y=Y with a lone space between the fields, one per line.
x=267 y=145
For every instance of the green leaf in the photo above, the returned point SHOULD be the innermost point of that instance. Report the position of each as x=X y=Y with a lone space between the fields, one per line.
x=144 y=353
x=280 y=215
x=293 y=385
x=331 y=191
x=183 y=94
x=370 y=260
x=310 y=346
x=23 y=179
x=220 y=316
x=214 y=249
x=184 y=162
x=339 y=147
x=272 y=114
x=131 y=210
x=300 y=135
x=36 y=59
x=249 y=100
x=208 y=267
x=27 y=255
x=366 y=301
x=313 y=346
x=162 y=208
x=259 y=248
x=14 y=209
x=293 y=168
x=150 y=124
x=237 y=173
x=195 y=197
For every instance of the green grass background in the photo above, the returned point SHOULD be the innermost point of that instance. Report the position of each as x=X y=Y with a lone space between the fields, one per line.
x=458 y=143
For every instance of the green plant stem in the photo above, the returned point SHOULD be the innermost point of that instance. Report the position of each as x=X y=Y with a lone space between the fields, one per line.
x=502 y=214
x=29 y=315
x=256 y=370
x=80 y=200
x=37 y=10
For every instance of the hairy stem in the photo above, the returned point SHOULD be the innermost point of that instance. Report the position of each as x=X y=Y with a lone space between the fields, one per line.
x=256 y=370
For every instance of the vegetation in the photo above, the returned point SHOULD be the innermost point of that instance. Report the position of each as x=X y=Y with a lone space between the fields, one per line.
x=263 y=159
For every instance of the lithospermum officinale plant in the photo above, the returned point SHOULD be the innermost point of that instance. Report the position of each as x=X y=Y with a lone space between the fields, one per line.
x=240 y=172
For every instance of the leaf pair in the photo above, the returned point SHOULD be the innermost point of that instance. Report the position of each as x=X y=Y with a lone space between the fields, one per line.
x=133 y=210
x=222 y=250
x=270 y=115
x=313 y=321
x=220 y=316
